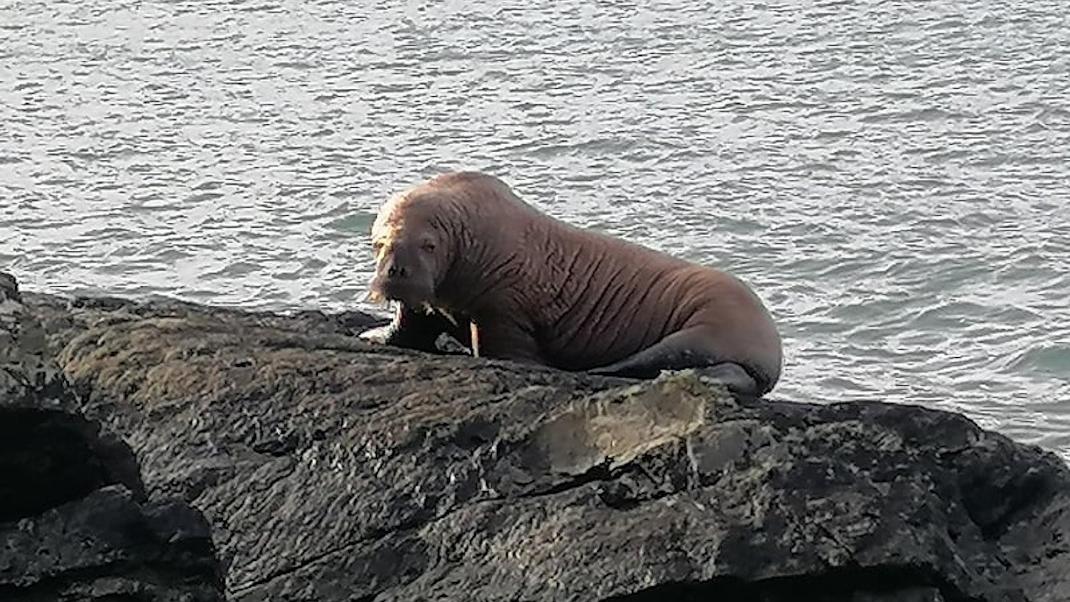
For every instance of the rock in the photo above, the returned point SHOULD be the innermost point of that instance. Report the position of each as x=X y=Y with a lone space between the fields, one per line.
x=26 y=373
x=74 y=520
x=63 y=317
x=333 y=469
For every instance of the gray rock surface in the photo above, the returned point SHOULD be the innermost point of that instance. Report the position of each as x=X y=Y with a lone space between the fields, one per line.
x=74 y=520
x=333 y=469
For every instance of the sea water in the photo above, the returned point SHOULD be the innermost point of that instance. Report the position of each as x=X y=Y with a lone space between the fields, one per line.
x=893 y=178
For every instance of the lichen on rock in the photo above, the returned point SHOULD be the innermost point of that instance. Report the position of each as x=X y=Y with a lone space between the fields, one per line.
x=615 y=426
x=27 y=375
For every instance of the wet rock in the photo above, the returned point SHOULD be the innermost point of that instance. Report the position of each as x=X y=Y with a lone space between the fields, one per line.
x=74 y=520
x=26 y=373
x=333 y=469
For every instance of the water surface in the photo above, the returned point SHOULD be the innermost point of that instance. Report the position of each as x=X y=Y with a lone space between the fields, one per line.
x=891 y=177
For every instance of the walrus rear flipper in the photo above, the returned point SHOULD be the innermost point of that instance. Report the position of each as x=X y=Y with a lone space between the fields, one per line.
x=680 y=351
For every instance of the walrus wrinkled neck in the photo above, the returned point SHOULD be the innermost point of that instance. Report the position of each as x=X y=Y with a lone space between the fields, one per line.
x=487 y=254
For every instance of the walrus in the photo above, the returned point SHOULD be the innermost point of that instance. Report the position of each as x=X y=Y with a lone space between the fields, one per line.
x=461 y=253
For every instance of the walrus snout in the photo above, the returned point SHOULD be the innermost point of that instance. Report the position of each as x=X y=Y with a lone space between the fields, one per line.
x=397 y=279
x=394 y=273
x=388 y=286
x=407 y=291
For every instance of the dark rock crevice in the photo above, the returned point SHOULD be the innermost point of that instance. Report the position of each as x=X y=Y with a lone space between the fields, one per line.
x=50 y=457
x=842 y=584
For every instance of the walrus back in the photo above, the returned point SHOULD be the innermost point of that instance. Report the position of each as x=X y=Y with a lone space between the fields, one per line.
x=616 y=297
x=591 y=299
x=611 y=298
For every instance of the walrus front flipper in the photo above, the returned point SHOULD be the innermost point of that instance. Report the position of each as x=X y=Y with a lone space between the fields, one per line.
x=680 y=351
x=415 y=328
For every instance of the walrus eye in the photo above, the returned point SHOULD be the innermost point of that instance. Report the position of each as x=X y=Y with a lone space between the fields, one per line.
x=429 y=247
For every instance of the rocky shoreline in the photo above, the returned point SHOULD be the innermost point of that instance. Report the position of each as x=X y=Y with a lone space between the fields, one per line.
x=280 y=457
x=75 y=520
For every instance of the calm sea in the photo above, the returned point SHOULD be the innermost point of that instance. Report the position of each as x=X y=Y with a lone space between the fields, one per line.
x=892 y=177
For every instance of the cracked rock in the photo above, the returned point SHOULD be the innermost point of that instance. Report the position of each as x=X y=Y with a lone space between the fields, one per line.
x=331 y=469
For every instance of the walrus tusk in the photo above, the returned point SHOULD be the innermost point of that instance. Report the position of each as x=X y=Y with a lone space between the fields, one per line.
x=432 y=310
x=475 y=338
x=374 y=298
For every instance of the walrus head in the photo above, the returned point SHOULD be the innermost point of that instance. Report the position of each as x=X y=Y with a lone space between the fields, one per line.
x=420 y=233
x=411 y=252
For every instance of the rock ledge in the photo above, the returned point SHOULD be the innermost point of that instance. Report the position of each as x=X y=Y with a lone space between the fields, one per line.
x=75 y=523
x=333 y=469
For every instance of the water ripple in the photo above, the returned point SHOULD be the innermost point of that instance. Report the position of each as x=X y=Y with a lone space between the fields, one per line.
x=891 y=176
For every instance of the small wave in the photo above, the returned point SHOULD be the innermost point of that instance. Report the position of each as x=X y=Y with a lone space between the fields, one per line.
x=1050 y=359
